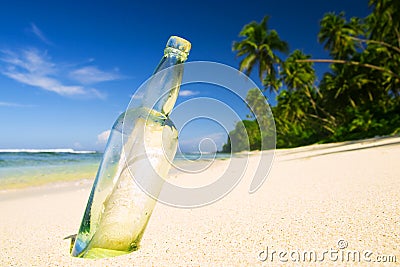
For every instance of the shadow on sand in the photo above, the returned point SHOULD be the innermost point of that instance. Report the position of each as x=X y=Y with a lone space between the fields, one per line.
x=327 y=149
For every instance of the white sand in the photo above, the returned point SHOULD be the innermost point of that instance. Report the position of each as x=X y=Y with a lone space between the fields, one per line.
x=313 y=197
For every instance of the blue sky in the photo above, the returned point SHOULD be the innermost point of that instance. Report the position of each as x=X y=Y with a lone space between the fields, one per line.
x=68 y=68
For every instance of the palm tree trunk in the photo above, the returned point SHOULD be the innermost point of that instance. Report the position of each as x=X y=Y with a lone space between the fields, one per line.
x=376 y=42
x=356 y=63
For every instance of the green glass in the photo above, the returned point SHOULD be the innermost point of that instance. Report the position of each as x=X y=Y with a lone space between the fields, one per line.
x=142 y=143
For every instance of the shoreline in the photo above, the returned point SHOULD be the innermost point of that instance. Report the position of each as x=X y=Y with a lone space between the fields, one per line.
x=289 y=153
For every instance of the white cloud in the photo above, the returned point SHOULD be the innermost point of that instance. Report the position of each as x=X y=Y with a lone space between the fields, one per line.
x=16 y=105
x=36 y=69
x=96 y=93
x=188 y=93
x=45 y=83
x=39 y=34
x=91 y=74
x=29 y=60
x=103 y=137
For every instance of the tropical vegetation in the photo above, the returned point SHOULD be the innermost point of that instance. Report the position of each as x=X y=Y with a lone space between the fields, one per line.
x=357 y=98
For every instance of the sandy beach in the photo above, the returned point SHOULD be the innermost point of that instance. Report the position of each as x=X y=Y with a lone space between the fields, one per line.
x=342 y=197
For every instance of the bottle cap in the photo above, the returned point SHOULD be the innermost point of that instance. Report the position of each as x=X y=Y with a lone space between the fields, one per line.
x=179 y=43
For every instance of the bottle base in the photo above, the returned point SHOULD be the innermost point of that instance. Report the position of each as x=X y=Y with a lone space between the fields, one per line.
x=98 y=253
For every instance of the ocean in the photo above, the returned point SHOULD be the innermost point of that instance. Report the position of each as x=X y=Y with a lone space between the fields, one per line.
x=26 y=167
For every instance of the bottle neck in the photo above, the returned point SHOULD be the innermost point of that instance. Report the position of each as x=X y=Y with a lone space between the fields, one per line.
x=163 y=88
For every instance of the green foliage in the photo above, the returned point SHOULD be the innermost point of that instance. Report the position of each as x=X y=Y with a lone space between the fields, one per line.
x=245 y=136
x=357 y=98
x=258 y=49
x=337 y=35
x=256 y=134
x=264 y=119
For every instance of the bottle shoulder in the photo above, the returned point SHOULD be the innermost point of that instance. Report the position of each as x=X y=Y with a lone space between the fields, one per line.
x=128 y=119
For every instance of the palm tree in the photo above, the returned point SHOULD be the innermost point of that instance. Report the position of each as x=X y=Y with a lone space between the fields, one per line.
x=337 y=35
x=385 y=21
x=342 y=39
x=301 y=77
x=258 y=48
x=298 y=75
x=358 y=97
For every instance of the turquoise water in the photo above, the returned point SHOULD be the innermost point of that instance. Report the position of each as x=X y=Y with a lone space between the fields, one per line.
x=35 y=167
x=22 y=168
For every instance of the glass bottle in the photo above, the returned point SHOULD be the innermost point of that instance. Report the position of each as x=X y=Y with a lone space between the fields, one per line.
x=142 y=143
